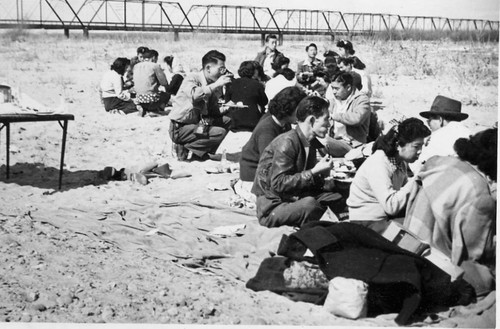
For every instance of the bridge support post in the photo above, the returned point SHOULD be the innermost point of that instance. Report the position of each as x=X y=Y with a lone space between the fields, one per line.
x=66 y=32
x=176 y=35
x=262 y=39
x=86 y=33
x=280 y=39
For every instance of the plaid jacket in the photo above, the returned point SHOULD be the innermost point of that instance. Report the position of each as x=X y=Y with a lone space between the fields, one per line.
x=454 y=210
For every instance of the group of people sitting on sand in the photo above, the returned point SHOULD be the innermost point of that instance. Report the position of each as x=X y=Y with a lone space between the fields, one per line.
x=140 y=84
x=436 y=180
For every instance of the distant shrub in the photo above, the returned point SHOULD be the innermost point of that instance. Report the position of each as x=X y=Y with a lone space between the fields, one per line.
x=17 y=35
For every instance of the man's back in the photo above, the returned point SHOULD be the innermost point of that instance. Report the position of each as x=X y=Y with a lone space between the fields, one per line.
x=148 y=76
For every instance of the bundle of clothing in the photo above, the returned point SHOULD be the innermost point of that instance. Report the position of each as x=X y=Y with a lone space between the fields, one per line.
x=398 y=281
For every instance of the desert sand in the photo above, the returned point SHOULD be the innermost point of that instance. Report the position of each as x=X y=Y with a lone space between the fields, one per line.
x=120 y=252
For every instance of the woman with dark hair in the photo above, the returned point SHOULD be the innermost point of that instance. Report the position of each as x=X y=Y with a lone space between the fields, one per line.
x=278 y=120
x=381 y=187
x=346 y=49
x=174 y=79
x=246 y=90
x=114 y=98
x=455 y=210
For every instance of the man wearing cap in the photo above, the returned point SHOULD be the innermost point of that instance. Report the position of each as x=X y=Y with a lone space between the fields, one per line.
x=444 y=119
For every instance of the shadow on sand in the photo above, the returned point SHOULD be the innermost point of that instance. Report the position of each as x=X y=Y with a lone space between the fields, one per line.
x=37 y=175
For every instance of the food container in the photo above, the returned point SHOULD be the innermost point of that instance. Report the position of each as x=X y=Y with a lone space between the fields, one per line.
x=5 y=94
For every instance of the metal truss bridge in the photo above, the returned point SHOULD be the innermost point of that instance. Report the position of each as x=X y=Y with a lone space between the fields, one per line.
x=157 y=15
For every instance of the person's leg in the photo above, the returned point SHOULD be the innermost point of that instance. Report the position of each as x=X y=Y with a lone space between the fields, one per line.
x=110 y=103
x=164 y=98
x=378 y=226
x=128 y=107
x=216 y=133
x=296 y=213
x=335 y=202
x=335 y=147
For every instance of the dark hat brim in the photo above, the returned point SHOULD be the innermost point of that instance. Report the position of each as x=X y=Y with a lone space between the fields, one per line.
x=458 y=116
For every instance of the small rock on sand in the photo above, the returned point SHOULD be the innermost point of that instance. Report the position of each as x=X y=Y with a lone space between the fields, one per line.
x=173 y=311
x=39 y=307
x=26 y=317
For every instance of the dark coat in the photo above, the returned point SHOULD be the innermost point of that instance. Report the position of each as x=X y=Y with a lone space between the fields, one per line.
x=283 y=174
x=261 y=57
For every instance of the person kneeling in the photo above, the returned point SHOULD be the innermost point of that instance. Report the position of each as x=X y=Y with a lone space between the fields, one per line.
x=289 y=180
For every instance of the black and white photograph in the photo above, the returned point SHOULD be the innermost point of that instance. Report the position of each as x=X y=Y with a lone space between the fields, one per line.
x=233 y=163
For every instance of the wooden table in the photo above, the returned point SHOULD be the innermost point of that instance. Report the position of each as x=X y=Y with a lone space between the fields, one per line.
x=6 y=119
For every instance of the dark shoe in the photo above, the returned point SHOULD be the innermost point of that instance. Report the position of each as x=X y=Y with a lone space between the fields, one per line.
x=195 y=157
x=214 y=157
x=108 y=173
x=120 y=175
x=182 y=152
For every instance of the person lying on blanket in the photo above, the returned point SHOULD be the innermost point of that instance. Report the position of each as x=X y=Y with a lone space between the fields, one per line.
x=289 y=181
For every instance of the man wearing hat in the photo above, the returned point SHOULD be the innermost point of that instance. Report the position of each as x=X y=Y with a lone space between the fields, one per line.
x=444 y=119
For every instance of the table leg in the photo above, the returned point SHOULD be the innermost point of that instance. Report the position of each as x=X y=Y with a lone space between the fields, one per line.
x=65 y=129
x=7 y=131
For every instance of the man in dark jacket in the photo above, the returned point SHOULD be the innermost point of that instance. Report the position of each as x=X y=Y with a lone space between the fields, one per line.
x=268 y=57
x=289 y=183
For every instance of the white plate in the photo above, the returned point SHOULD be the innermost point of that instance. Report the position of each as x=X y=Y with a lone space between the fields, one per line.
x=344 y=180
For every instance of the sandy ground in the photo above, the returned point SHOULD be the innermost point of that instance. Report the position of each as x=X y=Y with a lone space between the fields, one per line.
x=120 y=252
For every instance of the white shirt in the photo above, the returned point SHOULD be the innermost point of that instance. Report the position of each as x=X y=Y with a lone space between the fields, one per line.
x=366 y=81
x=441 y=143
x=277 y=84
x=268 y=70
x=111 y=84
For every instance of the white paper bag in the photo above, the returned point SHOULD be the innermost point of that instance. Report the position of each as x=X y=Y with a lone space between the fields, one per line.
x=347 y=298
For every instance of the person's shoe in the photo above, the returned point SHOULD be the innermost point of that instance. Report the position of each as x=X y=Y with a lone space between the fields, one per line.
x=163 y=170
x=182 y=152
x=195 y=157
x=120 y=175
x=108 y=173
x=139 y=178
x=215 y=157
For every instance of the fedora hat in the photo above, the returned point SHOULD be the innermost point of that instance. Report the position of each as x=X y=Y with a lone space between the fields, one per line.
x=446 y=107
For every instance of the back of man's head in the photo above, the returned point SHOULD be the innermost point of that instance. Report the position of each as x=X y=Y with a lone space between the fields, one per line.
x=285 y=102
x=312 y=105
x=212 y=57
x=150 y=54
x=142 y=50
